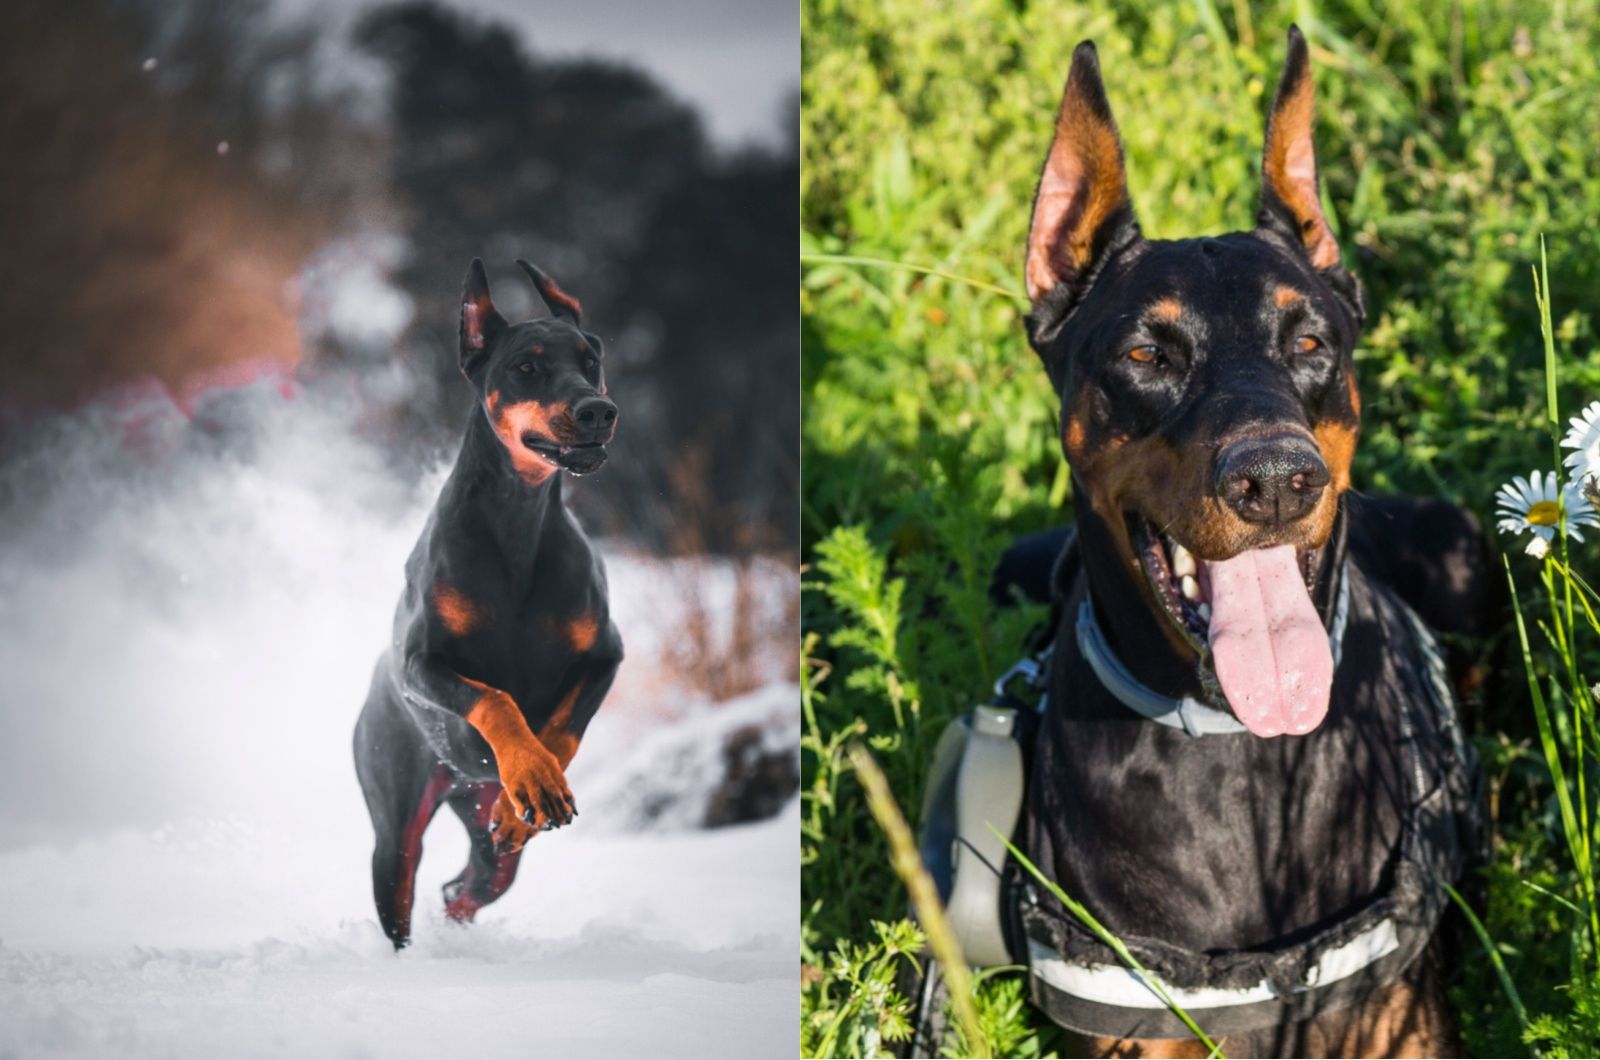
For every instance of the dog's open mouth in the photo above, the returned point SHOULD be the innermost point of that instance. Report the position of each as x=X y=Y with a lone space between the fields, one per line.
x=1254 y=615
x=574 y=459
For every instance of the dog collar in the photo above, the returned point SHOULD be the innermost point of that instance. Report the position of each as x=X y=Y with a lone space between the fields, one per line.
x=1189 y=714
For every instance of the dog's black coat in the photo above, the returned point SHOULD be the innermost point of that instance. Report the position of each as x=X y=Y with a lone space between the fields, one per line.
x=1211 y=856
x=505 y=594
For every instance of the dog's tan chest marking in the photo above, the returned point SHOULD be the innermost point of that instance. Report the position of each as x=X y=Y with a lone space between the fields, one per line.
x=582 y=631
x=459 y=613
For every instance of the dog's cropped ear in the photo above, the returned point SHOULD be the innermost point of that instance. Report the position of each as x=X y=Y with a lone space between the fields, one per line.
x=560 y=303
x=1291 y=204
x=1081 y=209
x=480 y=321
x=1291 y=200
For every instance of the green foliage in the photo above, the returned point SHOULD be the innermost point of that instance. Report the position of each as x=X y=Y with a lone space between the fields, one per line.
x=853 y=1008
x=1574 y=1032
x=1450 y=134
x=1565 y=712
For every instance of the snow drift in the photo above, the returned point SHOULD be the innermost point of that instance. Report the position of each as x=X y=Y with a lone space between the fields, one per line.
x=185 y=640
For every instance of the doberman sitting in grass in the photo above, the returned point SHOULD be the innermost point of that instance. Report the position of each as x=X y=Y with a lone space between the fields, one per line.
x=503 y=645
x=1250 y=767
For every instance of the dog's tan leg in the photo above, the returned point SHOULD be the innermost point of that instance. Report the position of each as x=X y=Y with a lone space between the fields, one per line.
x=1411 y=1017
x=1129 y=1047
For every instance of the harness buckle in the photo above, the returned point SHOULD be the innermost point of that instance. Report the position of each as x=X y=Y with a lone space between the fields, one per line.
x=1031 y=668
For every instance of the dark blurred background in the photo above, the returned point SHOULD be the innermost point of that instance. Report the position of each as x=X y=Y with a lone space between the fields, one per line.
x=205 y=207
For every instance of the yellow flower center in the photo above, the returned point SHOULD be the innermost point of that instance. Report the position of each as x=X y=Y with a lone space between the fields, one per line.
x=1545 y=513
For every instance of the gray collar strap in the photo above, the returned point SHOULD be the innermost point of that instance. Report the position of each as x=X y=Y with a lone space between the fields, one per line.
x=1188 y=713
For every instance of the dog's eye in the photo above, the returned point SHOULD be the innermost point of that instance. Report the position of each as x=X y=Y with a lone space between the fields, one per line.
x=1147 y=354
x=1307 y=344
x=526 y=367
x=590 y=364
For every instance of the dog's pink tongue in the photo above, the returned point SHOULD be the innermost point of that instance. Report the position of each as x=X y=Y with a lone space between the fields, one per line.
x=1271 y=652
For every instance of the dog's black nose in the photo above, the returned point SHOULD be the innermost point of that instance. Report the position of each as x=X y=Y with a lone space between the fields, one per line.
x=1271 y=480
x=595 y=413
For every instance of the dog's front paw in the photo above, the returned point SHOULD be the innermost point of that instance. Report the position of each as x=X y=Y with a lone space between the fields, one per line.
x=509 y=831
x=536 y=790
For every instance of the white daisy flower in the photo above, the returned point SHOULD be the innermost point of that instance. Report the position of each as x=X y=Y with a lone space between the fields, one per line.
x=1530 y=505
x=1584 y=437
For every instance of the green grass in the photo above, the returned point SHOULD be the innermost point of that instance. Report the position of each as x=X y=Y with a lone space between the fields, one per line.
x=1450 y=136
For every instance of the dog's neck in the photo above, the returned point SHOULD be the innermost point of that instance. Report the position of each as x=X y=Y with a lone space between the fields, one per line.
x=519 y=516
x=1137 y=633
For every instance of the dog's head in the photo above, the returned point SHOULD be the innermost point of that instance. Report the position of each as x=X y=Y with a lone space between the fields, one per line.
x=1209 y=405
x=541 y=383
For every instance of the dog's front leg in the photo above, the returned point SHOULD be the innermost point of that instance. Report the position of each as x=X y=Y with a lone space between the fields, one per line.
x=585 y=691
x=535 y=796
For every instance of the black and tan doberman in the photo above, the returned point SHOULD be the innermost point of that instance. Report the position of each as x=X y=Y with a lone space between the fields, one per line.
x=1300 y=815
x=503 y=644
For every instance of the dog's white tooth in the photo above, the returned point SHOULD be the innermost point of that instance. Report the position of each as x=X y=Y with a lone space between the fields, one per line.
x=1190 y=587
x=1182 y=561
x=1204 y=611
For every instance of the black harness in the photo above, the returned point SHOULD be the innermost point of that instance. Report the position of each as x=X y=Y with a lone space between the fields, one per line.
x=1082 y=985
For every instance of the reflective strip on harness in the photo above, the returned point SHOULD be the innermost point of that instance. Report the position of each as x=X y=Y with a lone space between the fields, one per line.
x=1111 y=984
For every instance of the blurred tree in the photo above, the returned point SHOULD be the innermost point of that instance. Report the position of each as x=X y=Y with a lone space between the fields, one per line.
x=685 y=262
x=168 y=168
x=173 y=167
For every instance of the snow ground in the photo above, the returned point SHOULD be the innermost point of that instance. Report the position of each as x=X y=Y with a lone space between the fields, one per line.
x=236 y=943
x=183 y=846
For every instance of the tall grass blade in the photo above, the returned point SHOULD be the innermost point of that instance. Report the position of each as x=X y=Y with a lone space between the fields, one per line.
x=926 y=270
x=1500 y=970
x=924 y=896
x=1541 y=712
x=1125 y=955
x=1580 y=835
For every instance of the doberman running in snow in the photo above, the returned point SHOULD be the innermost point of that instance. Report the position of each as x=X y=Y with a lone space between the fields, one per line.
x=503 y=644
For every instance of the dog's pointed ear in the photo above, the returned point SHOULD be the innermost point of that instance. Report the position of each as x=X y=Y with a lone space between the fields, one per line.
x=1291 y=203
x=1291 y=199
x=560 y=303
x=480 y=321
x=1081 y=208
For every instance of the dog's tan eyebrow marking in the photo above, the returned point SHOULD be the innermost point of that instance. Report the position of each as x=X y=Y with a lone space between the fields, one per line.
x=1284 y=296
x=1167 y=309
